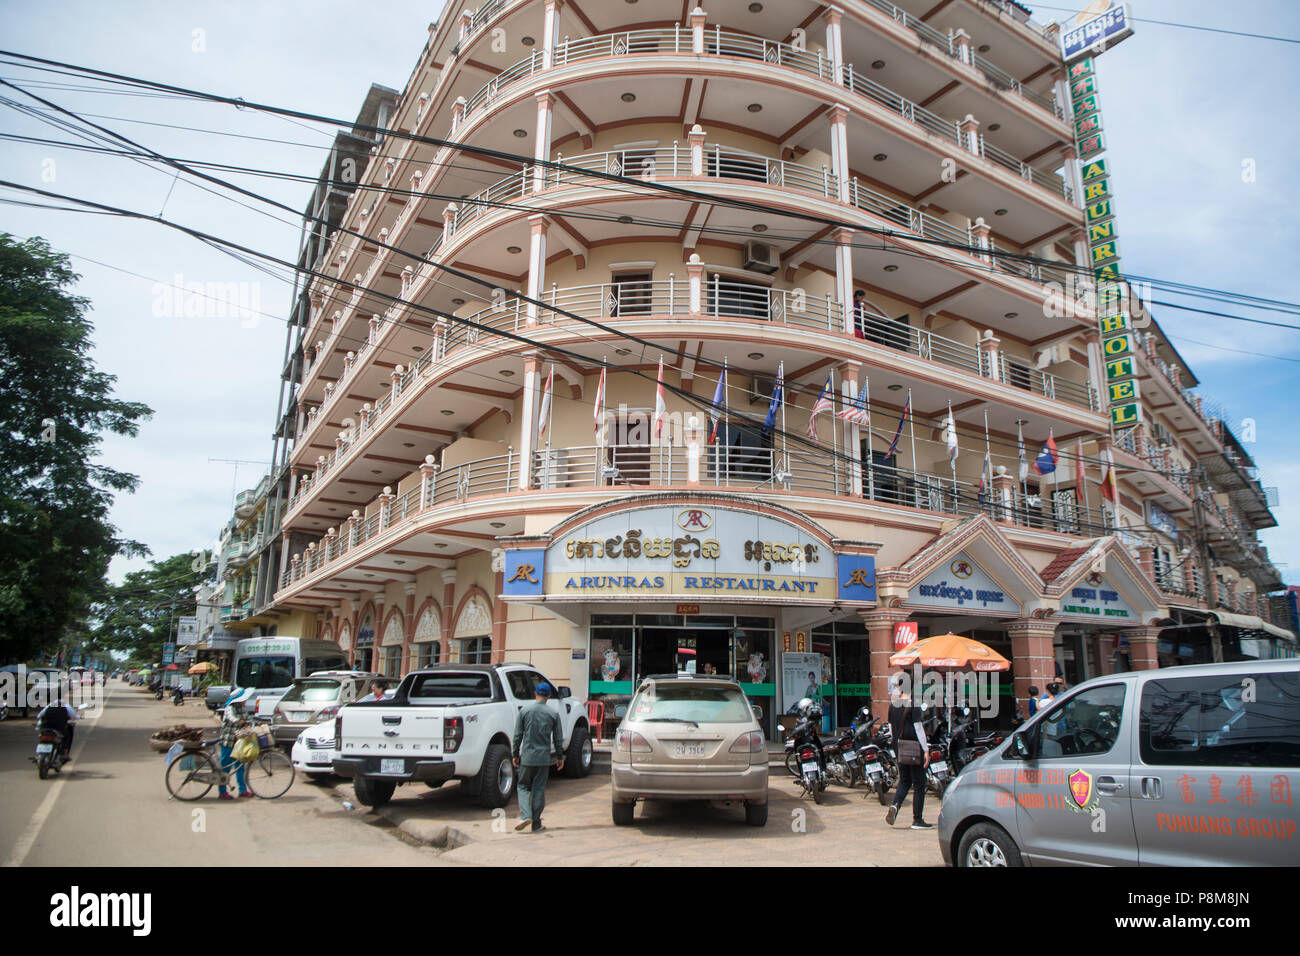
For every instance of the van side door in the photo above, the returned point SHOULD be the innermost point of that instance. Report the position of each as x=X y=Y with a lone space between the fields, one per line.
x=1073 y=795
x=1217 y=763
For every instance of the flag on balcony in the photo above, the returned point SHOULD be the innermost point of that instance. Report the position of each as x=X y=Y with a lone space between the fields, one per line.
x=719 y=404
x=778 y=393
x=950 y=437
x=902 y=420
x=1078 y=469
x=599 y=411
x=1045 y=463
x=661 y=408
x=823 y=404
x=855 y=410
x=986 y=477
x=544 y=410
x=1108 y=489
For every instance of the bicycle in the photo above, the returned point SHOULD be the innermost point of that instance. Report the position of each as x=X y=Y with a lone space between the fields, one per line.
x=192 y=773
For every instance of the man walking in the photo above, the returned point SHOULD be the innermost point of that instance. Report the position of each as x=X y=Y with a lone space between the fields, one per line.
x=537 y=728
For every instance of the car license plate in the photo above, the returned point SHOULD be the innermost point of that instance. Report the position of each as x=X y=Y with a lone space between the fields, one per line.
x=688 y=750
x=811 y=767
x=45 y=748
x=939 y=766
x=871 y=768
x=392 y=766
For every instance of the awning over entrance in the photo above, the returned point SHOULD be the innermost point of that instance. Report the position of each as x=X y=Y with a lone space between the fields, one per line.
x=1250 y=622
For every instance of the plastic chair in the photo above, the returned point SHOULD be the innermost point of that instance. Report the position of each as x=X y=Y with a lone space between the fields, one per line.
x=596 y=718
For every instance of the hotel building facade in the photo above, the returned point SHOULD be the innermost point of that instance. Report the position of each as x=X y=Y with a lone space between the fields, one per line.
x=883 y=197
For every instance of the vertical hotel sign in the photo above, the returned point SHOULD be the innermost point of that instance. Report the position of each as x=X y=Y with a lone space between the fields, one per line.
x=1113 y=318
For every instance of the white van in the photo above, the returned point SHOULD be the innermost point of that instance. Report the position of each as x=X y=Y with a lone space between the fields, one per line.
x=270 y=665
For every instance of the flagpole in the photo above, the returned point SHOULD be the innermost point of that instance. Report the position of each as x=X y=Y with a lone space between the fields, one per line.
x=835 y=438
x=911 y=427
x=952 y=459
x=600 y=423
x=871 y=472
x=1022 y=466
x=1055 y=469
x=726 y=425
x=1082 y=470
x=988 y=461
x=780 y=378
x=550 y=417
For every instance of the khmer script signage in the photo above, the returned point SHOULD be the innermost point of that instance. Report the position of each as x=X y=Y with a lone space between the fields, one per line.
x=1095 y=597
x=961 y=584
x=677 y=552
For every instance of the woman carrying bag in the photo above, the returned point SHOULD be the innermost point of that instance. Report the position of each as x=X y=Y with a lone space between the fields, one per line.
x=913 y=755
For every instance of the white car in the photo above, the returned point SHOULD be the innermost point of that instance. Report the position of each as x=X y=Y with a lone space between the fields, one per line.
x=313 y=752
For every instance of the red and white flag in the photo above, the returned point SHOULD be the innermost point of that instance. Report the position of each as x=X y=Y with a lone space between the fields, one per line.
x=1078 y=470
x=823 y=404
x=661 y=408
x=544 y=410
x=599 y=412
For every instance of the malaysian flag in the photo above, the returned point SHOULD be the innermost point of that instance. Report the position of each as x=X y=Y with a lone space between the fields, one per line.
x=823 y=404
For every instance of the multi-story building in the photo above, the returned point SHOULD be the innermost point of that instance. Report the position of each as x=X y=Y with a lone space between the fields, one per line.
x=880 y=196
x=251 y=545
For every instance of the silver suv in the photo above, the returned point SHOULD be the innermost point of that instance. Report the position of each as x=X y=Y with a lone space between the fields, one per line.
x=689 y=737
x=1172 y=767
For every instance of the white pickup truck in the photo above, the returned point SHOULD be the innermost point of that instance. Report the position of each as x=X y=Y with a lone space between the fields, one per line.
x=451 y=721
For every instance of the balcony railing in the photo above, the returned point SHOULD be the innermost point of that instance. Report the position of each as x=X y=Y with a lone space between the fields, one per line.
x=740 y=468
x=718 y=42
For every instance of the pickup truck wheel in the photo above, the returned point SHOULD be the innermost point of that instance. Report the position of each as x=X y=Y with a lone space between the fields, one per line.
x=373 y=793
x=623 y=813
x=577 y=760
x=496 y=778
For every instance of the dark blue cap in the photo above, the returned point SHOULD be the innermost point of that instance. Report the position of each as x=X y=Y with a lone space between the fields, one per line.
x=544 y=689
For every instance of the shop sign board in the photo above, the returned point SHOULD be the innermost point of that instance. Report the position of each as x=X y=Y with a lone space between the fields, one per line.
x=187 y=631
x=168 y=655
x=1107 y=25
x=800 y=677
x=961 y=584
x=905 y=633
x=1094 y=597
x=673 y=552
x=1161 y=520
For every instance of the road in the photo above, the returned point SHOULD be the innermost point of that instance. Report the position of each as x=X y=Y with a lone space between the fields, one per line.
x=109 y=807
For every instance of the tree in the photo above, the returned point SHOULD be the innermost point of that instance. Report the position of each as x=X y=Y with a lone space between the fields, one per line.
x=137 y=615
x=55 y=538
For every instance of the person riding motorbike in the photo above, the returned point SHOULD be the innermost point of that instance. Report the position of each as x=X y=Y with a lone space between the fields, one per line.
x=58 y=716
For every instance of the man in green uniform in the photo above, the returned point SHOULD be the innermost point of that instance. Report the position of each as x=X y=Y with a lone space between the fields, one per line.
x=537 y=728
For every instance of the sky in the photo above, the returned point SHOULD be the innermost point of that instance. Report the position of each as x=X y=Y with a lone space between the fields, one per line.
x=1201 y=136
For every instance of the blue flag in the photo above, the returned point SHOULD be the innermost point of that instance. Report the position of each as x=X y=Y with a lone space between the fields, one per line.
x=777 y=391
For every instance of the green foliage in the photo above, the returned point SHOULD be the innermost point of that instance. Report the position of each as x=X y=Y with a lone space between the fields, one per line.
x=55 y=538
x=137 y=615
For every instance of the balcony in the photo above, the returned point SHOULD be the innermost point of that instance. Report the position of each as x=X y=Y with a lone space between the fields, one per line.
x=742 y=469
x=246 y=503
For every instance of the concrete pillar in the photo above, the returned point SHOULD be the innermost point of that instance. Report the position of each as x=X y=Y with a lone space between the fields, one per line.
x=427 y=470
x=1004 y=495
x=695 y=281
x=835 y=41
x=844 y=277
x=1033 y=657
x=550 y=32
x=542 y=144
x=538 y=226
x=850 y=387
x=448 y=613
x=408 y=632
x=969 y=129
x=694 y=443
x=880 y=639
x=990 y=356
x=1143 y=654
x=395 y=383
x=528 y=420
x=839 y=118
x=961 y=40
x=981 y=237
x=697 y=20
x=386 y=498
x=695 y=140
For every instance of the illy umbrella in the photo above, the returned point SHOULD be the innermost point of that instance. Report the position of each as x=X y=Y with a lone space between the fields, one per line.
x=950 y=652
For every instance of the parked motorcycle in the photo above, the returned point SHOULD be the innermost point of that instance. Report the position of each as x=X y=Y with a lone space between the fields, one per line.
x=49 y=751
x=842 y=761
x=966 y=744
x=178 y=697
x=806 y=745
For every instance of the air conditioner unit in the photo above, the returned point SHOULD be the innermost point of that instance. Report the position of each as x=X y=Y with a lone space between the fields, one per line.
x=1048 y=356
x=760 y=257
x=760 y=389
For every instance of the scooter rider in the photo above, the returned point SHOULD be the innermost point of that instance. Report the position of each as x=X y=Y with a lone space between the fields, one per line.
x=58 y=716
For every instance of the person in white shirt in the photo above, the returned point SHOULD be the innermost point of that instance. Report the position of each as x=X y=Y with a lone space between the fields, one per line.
x=59 y=716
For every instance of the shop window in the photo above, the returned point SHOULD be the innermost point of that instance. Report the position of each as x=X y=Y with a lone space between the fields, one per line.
x=392 y=662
